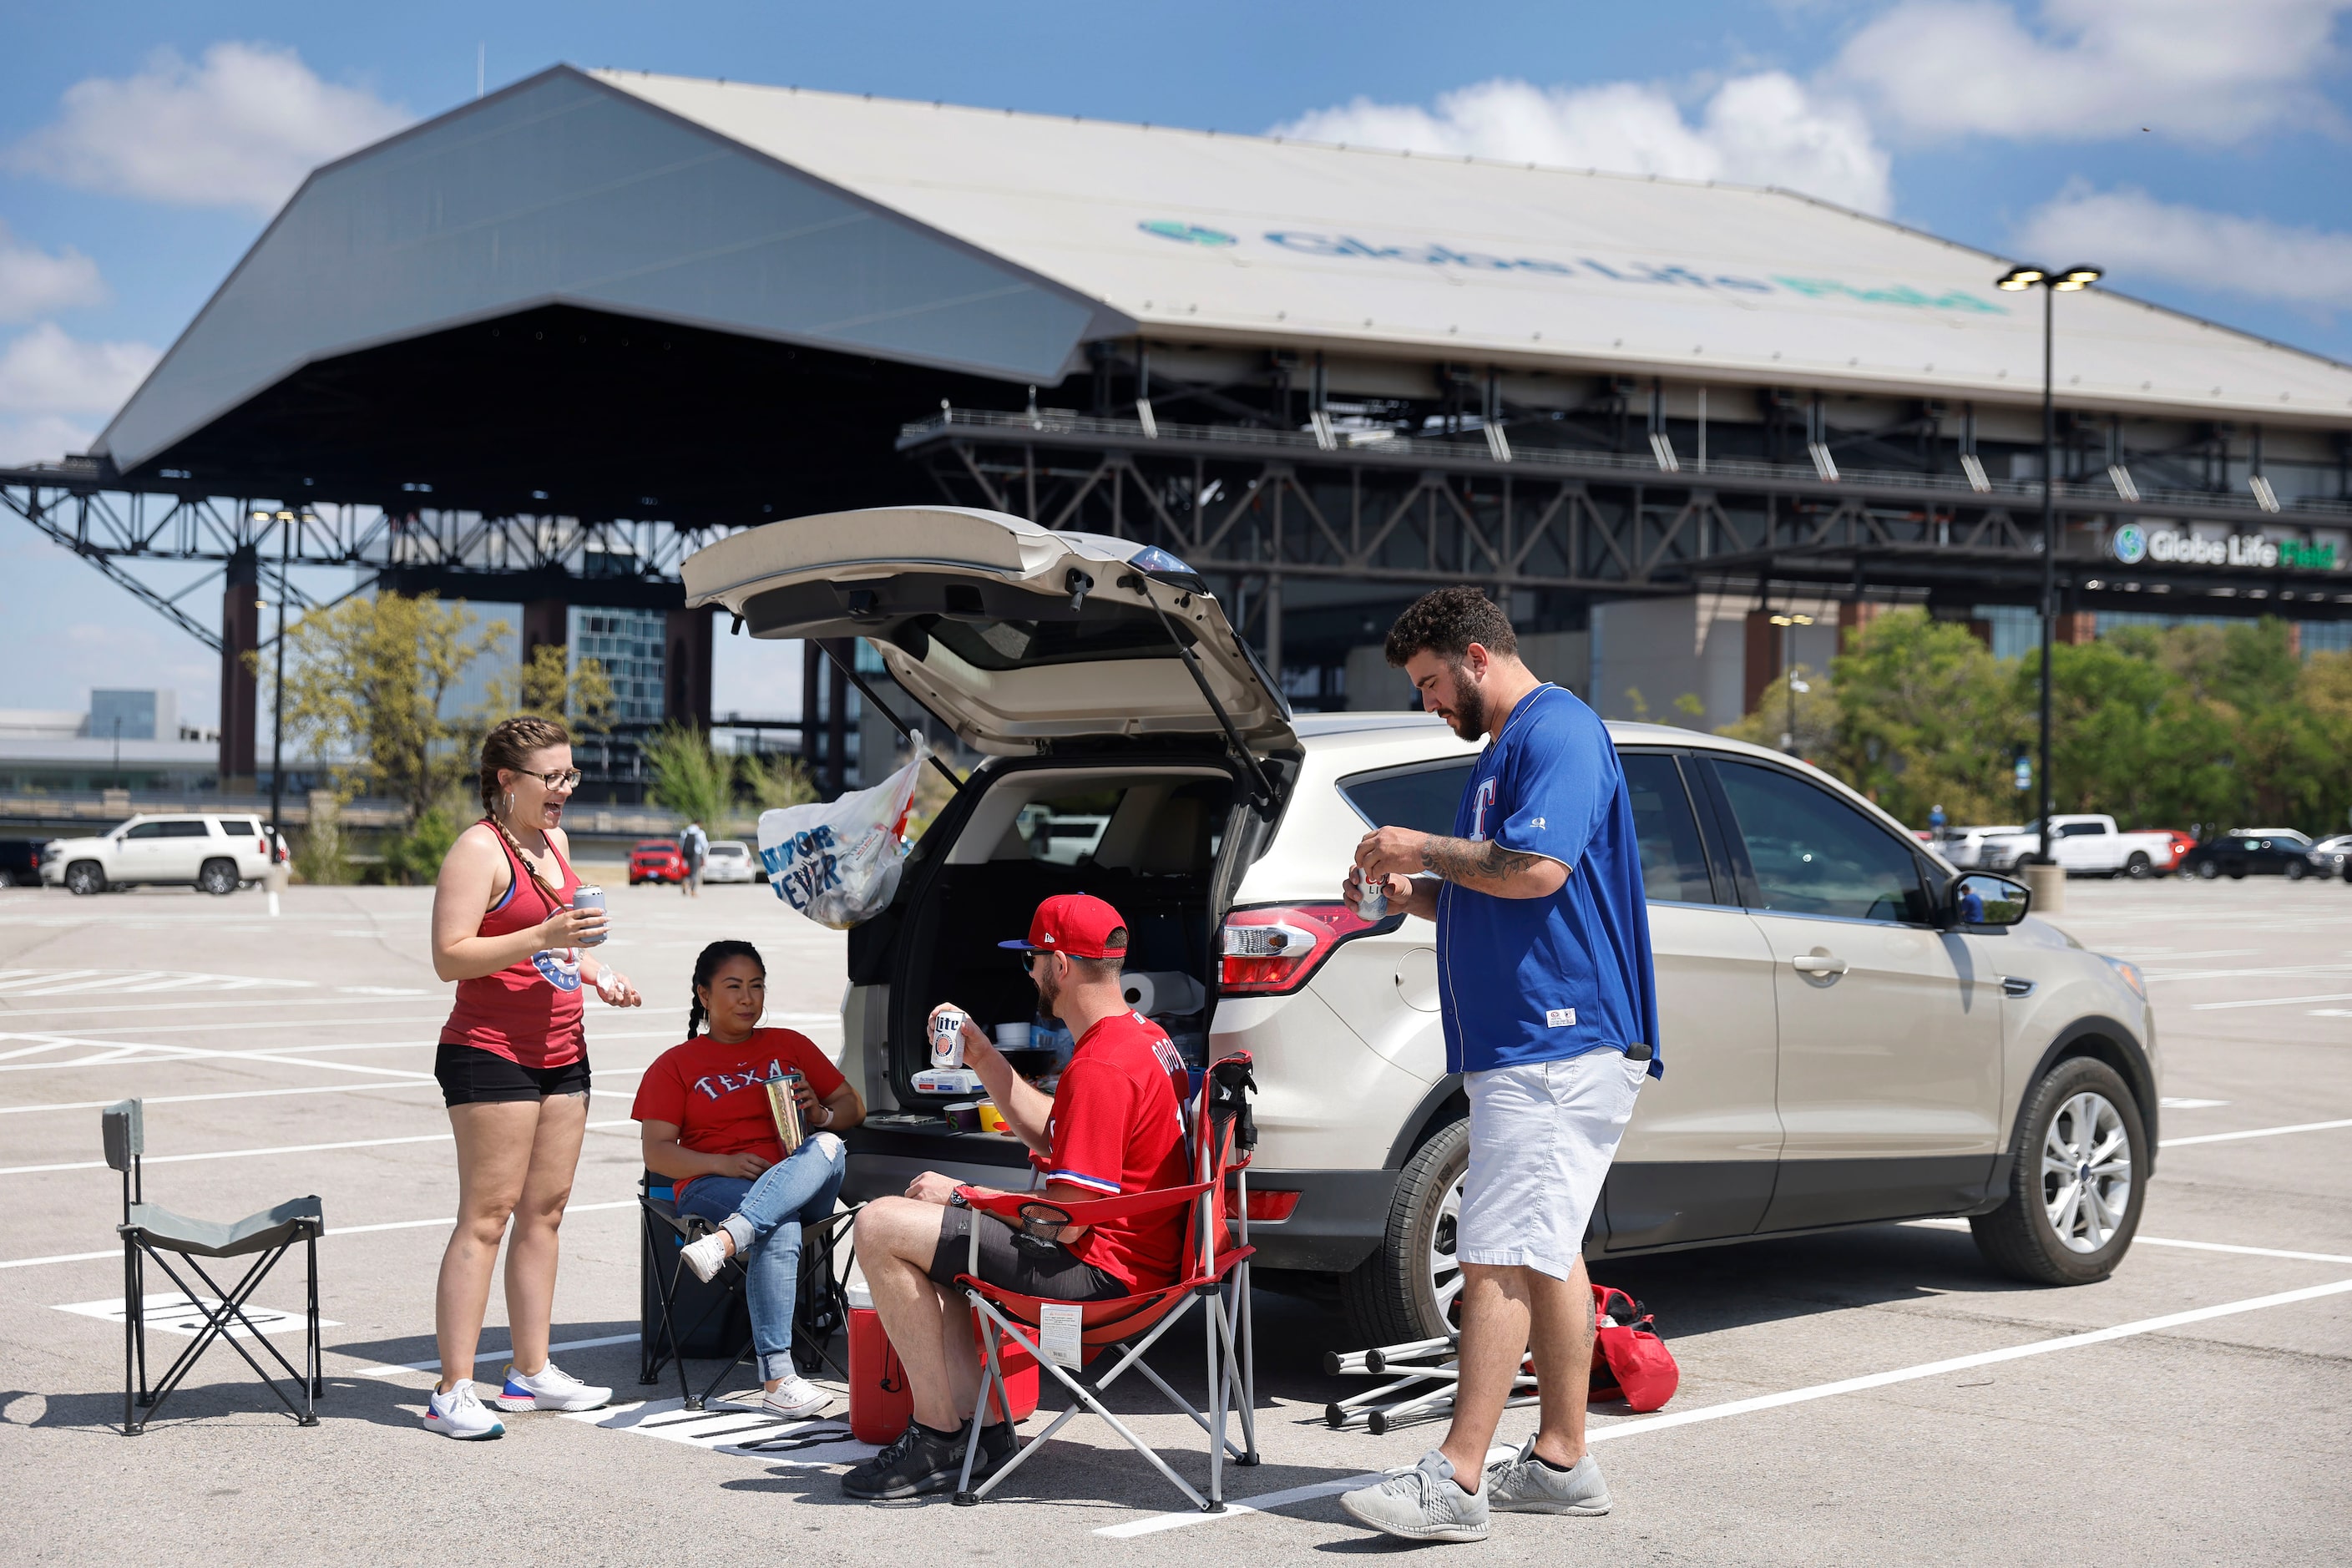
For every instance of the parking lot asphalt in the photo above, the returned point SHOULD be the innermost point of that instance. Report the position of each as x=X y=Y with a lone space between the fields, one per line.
x=1876 y=1395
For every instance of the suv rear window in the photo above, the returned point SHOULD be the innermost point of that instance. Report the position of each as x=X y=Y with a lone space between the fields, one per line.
x=1422 y=798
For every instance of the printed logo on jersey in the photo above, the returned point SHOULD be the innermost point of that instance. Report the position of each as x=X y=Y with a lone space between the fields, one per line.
x=711 y=1086
x=1561 y=1019
x=1480 y=804
x=561 y=965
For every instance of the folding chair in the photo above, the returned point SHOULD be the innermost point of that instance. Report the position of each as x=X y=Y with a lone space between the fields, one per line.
x=148 y=1231
x=820 y=1301
x=1217 y=1250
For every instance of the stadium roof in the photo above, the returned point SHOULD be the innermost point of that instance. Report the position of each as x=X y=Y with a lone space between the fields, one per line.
x=997 y=244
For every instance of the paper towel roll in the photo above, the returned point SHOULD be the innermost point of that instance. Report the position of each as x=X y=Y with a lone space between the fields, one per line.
x=1152 y=992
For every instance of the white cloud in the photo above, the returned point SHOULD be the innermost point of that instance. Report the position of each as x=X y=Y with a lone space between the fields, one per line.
x=2191 y=70
x=1764 y=129
x=48 y=372
x=34 y=282
x=42 y=438
x=2133 y=236
x=238 y=128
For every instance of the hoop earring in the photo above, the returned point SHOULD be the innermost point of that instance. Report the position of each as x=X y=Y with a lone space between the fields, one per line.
x=509 y=806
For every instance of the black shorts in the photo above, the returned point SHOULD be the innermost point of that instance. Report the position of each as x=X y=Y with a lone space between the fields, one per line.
x=469 y=1076
x=1017 y=1262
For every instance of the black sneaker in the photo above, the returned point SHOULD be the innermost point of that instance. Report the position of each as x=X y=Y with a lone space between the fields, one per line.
x=917 y=1464
x=997 y=1444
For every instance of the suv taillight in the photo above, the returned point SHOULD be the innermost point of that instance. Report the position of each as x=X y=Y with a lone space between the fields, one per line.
x=1272 y=951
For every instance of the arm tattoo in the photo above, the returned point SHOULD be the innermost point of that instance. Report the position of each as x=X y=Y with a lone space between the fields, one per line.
x=1472 y=862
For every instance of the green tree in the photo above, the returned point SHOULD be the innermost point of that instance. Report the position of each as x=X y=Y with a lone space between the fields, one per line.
x=691 y=778
x=1925 y=715
x=367 y=686
x=774 y=781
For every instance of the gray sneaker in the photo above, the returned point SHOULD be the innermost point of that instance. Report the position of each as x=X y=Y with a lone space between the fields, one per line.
x=1528 y=1485
x=1421 y=1504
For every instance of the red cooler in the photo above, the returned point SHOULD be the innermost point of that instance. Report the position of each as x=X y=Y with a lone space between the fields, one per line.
x=879 y=1404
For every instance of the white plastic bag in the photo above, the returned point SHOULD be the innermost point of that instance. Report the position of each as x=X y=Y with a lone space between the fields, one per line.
x=838 y=862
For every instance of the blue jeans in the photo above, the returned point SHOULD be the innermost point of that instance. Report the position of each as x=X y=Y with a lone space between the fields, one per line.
x=765 y=1218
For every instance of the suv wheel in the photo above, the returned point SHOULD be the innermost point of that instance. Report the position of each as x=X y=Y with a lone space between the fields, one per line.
x=2139 y=868
x=2296 y=870
x=2208 y=871
x=2076 y=1184
x=218 y=877
x=1408 y=1289
x=86 y=877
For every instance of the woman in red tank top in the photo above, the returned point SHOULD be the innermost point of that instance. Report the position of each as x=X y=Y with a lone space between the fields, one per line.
x=513 y=1067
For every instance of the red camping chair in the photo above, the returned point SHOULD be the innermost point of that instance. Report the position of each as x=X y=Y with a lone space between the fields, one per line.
x=1218 y=1251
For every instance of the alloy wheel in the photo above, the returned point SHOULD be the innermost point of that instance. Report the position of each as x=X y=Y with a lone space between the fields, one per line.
x=2086 y=1171
x=1444 y=1262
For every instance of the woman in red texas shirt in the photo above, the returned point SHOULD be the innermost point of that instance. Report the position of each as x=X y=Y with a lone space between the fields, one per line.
x=513 y=1068
x=703 y=1107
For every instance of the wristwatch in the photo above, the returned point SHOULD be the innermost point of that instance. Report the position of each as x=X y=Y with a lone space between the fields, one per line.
x=956 y=1200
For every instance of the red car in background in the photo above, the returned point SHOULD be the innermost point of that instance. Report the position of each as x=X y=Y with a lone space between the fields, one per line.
x=656 y=860
x=2182 y=843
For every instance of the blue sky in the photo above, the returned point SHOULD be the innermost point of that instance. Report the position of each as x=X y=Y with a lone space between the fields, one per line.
x=2196 y=149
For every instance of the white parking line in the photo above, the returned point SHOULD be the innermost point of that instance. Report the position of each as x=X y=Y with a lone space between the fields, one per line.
x=396 y=1368
x=247 y=1153
x=2251 y=1132
x=2167 y=1241
x=1647 y=1424
x=332 y=1232
x=273 y=1093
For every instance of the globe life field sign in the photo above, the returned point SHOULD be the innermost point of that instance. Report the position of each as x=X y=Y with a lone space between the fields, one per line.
x=2132 y=545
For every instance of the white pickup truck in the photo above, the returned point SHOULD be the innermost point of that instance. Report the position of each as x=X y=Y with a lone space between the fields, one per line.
x=2087 y=846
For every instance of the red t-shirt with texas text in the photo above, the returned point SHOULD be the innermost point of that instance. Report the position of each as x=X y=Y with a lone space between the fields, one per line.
x=1116 y=1129
x=715 y=1095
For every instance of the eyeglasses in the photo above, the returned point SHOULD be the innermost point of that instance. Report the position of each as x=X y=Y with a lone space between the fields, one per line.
x=1029 y=961
x=568 y=778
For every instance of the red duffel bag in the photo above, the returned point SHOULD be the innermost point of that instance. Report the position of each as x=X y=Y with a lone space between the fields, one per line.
x=1629 y=1361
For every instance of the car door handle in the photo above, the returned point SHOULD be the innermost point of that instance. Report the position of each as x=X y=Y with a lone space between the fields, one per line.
x=1817 y=963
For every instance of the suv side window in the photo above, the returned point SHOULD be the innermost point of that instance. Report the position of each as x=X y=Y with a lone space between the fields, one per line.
x=186 y=828
x=1424 y=799
x=1674 y=862
x=1812 y=854
x=150 y=830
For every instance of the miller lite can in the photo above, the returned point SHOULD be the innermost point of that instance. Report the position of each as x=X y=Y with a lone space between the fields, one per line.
x=947 y=1039
x=587 y=897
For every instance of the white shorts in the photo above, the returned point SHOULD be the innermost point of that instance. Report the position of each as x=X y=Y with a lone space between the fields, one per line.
x=1541 y=1138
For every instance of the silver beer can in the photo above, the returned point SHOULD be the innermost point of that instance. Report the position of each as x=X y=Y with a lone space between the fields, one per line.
x=587 y=897
x=1371 y=895
x=947 y=1039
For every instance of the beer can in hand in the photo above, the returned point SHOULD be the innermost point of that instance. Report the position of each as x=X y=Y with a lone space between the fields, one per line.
x=587 y=897
x=1371 y=895
x=947 y=1039
x=783 y=1104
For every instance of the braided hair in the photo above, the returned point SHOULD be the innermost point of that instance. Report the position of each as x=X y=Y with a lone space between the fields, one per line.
x=508 y=746
x=706 y=966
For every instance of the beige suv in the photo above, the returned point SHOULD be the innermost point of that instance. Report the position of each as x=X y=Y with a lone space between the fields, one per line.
x=1854 y=1031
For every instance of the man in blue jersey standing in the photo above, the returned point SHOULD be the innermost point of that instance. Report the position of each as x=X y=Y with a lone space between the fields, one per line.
x=1551 y=1015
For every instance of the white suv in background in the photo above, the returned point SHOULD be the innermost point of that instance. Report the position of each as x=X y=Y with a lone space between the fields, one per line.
x=214 y=854
x=1854 y=1032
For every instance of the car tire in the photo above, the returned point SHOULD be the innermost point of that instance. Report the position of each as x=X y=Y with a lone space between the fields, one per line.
x=2047 y=1232
x=217 y=878
x=2296 y=870
x=1407 y=1289
x=2139 y=868
x=2208 y=871
x=85 y=877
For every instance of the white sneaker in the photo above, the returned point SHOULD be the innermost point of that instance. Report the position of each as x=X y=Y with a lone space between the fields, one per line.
x=458 y=1413
x=706 y=1257
x=1421 y=1504
x=549 y=1388
x=796 y=1395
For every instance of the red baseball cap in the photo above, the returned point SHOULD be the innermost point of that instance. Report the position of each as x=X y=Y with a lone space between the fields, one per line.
x=1077 y=923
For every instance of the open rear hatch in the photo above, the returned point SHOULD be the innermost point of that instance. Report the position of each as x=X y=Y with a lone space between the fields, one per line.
x=1012 y=635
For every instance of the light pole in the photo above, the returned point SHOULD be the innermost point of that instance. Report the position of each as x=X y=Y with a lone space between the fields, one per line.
x=1789 y=659
x=2051 y=284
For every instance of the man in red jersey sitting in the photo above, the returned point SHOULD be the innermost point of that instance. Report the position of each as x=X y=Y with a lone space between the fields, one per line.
x=1113 y=1125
